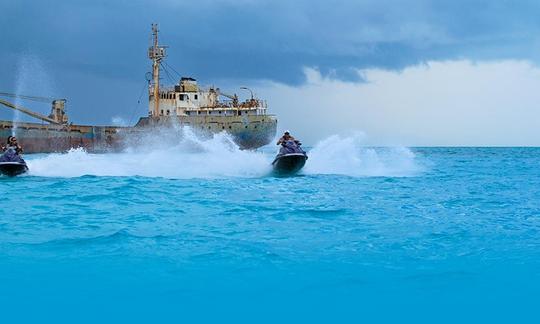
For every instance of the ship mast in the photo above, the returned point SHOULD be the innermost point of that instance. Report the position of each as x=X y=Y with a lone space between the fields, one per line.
x=156 y=53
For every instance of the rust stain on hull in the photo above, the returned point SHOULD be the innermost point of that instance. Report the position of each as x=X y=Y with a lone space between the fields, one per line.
x=46 y=138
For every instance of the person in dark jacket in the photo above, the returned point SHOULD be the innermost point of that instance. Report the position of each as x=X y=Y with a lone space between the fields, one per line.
x=12 y=143
x=286 y=137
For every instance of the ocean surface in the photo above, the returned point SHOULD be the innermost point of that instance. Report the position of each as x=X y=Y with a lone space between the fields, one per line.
x=201 y=232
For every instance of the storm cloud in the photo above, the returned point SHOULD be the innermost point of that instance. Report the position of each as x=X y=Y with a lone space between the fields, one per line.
x=267 y=39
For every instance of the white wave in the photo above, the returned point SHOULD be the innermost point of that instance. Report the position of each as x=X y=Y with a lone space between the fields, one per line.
x=189 y=158
x=181 y=154
x=347 y=156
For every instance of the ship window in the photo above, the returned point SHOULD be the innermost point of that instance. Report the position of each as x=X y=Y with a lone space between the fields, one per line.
x=198 y=112
x=196 y=97
x=220 y=111
x=222 y=127
x=246 y=126
x=230 y=127
x=239 y=112
x=209 y=127
x=169 y=112
x=182 y=97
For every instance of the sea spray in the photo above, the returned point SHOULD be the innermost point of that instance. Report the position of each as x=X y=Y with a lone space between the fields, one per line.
x=348 y=156
x=181 y=154
x=33 y=79
x=20 y=80
x=189 y=157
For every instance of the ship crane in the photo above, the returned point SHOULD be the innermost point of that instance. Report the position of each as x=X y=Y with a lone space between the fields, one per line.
x=58 y=115
x=253 y=102
x=233 y=97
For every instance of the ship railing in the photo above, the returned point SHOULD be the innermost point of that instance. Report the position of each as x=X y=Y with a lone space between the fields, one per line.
x=166 y=89
x=221 y=107
x=255 y=110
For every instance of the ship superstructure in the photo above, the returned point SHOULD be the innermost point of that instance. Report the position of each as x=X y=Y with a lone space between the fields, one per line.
x=203 y=108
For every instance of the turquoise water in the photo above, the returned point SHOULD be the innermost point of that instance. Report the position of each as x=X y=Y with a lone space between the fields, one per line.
x=365 y=235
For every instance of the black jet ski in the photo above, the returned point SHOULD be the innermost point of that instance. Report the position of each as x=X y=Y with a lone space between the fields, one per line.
x=290 y=159
x=12 y=164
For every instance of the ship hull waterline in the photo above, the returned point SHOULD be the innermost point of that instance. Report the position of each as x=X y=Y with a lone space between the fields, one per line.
x=47 y=138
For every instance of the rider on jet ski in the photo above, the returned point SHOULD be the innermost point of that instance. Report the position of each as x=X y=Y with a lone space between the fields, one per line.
x=286 y=137
x=11 y=162
x=289 y=144
x=12 y=143
x=291 y=158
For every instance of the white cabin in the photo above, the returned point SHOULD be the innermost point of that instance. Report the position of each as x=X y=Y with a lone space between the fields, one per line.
x=187 y=99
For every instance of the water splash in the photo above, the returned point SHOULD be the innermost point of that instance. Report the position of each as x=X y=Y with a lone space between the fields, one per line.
x=189 y=157
x=31 y=79
x=348 y=156
x=181 y=154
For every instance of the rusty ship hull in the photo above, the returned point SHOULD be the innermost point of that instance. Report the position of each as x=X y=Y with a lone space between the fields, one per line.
x=45 y=138
x=247 y=133
x=50 y=138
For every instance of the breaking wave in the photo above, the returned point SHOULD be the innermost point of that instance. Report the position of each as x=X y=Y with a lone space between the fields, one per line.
x=218 y=157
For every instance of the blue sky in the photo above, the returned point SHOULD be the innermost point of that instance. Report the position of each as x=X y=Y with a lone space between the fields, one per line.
x=94 y=52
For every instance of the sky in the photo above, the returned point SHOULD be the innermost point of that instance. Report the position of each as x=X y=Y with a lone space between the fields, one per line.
x=416 y=73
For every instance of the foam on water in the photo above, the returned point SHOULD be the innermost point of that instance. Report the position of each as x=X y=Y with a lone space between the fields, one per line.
x=184 y=155
x=347 y=156
x=190 y=157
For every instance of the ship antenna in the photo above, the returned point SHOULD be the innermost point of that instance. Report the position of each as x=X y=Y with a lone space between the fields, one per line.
x=156 y=53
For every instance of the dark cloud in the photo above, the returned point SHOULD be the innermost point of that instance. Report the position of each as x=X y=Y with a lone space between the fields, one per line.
x=251 y=40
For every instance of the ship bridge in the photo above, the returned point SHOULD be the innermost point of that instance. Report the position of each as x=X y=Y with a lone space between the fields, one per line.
x=186 y=98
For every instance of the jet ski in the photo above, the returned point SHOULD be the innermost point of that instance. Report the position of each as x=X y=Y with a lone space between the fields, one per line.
x=11 y=163
x=290 y=159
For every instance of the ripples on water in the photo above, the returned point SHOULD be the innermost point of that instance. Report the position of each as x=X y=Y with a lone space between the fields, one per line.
x=205 y=235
